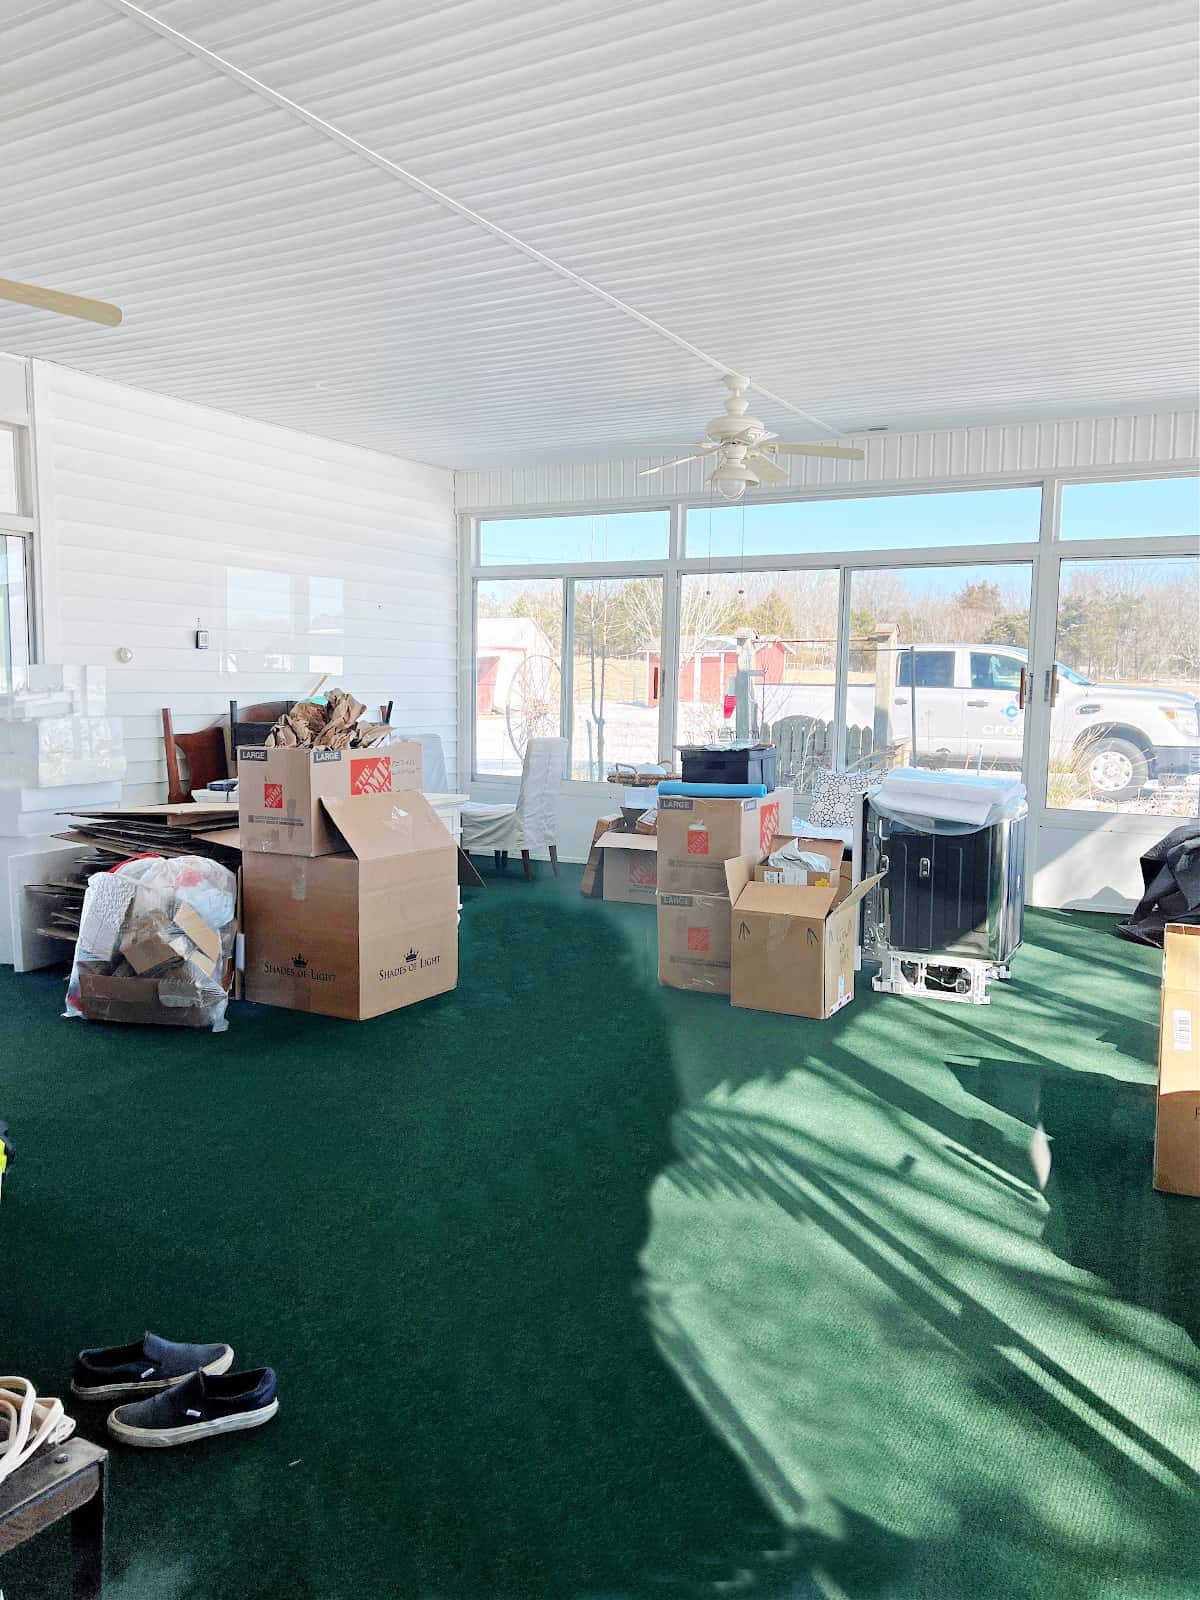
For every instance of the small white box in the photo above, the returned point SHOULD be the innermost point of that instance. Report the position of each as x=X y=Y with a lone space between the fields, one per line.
x=57 y=751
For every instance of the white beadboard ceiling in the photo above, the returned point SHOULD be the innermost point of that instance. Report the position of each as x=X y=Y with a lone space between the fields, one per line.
x=920 y=215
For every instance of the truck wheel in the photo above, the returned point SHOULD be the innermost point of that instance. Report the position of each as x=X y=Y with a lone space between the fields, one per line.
x=1116 y=768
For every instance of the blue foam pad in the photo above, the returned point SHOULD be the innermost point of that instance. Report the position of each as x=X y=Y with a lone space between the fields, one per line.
x=714 y=791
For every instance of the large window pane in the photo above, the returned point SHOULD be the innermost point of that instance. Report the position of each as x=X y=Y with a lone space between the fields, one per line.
x=14 y=612
x=1124 y=730
x=794 y=619
x=937 y=663
x=518 y=668
x=1151 y=506
x=539 y=541
x=615 y=673
x=880 y=522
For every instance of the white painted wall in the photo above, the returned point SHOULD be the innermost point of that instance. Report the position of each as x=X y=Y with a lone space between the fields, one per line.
x=297 y=554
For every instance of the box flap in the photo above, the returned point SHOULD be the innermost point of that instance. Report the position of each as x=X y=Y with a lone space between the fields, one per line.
x=1181 y=956
x=378 y=826
x=468 y=878
x=738 y=872
x=788 y=900
x=626 y=841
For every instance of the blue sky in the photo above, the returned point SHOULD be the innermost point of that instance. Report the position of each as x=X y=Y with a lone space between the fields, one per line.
x=765 y=528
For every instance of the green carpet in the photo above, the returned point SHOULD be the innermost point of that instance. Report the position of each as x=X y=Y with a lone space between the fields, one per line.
x=580 y=1288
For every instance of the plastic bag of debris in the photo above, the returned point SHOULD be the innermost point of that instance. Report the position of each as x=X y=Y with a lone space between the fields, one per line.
x=155 y=942
x=334 y=725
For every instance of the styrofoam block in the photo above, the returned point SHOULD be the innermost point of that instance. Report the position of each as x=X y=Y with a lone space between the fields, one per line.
x=32 y=811
x=57 y=751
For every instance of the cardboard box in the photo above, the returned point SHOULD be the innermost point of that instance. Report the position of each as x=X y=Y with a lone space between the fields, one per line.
x=280 y=790
x=630 y=867
x=792 y=947
x=838 y=873
x=360 y=933
x=1177 y=1131
x=694 y=942
x=593 y=871
x=697 y=837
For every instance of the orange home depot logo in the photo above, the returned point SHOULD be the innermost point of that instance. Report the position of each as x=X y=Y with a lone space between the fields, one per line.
x=697 y=938
x=643 y=872
x=371 y=775
x=768 y=826
x=273 y=796
x=697 y=841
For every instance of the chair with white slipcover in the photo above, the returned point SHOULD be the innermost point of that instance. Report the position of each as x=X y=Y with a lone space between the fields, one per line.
x=533 y=821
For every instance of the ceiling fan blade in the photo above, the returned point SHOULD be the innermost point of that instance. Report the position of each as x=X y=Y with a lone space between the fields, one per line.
x=67 y=305
x=649 y=471
x=769 y=471
x=839 y=452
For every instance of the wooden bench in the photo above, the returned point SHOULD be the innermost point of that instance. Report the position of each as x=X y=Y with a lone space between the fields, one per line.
x=68 y=1480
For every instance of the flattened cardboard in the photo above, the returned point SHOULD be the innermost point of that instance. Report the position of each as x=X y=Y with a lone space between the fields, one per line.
x=630 y=867
x=694 y=942
x=280 y=791
x=792 y=946
x=696 y=838
x=356 y=935
x=1177 y=1127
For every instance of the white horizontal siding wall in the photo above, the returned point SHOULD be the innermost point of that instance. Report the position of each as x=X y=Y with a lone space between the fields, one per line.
x=298 y=555
x=1088 y=444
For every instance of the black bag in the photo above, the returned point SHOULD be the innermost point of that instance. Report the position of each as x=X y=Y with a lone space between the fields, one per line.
x=1171 y=875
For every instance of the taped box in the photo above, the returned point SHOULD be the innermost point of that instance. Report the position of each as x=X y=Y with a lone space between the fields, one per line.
x=357 y=934
x=630 y=867
x=1177 y=1126
x=694 y=942
x=792 y=946
x=696 y=837
x=280 y=790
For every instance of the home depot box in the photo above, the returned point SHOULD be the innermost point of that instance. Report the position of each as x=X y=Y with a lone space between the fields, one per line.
x=697 y=837
x=693 y=942
x=792 y=947
x=630 y=867
x=1177 y=1133
x=280 y=791
x=360 y=933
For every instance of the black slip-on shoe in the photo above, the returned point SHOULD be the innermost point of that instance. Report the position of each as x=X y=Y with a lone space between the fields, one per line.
x=152 y=1364
x=197 y=1408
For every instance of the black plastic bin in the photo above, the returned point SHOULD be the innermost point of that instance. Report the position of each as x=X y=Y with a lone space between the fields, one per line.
x=730 y=766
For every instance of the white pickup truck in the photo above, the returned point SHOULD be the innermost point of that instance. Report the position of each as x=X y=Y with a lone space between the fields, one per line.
x=969 y=701
x=963 y=705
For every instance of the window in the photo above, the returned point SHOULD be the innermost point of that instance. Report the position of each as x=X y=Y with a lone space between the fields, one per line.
x=995 y=671
x=1149 y=507
x=794 y=615
x=616 y=652
x=10 y=503
x=14 y=611
x=930 y=669
x=546 y=541
x=881 y=522
x=518 y=668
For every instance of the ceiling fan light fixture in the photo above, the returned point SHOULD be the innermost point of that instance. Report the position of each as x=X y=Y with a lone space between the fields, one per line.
x=732 y=479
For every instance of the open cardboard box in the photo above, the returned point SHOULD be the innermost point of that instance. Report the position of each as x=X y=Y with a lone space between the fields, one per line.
x=1177 y=1131
x=696 y=837
x=791 y=946
x=357 y=934
x=630 y=867
x=281 y=789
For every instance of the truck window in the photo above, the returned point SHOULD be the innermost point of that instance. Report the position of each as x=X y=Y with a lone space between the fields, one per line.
x=935 y=670
x=990 y=671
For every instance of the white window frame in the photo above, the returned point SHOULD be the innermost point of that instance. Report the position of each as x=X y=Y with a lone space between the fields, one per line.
x=23 y=523
x=1043 y=554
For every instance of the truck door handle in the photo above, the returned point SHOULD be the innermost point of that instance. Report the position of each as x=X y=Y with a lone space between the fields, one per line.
x=977 y=702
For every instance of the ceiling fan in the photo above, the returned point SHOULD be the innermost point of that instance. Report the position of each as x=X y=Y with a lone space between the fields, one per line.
x=743 y=448
x=66 y=305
